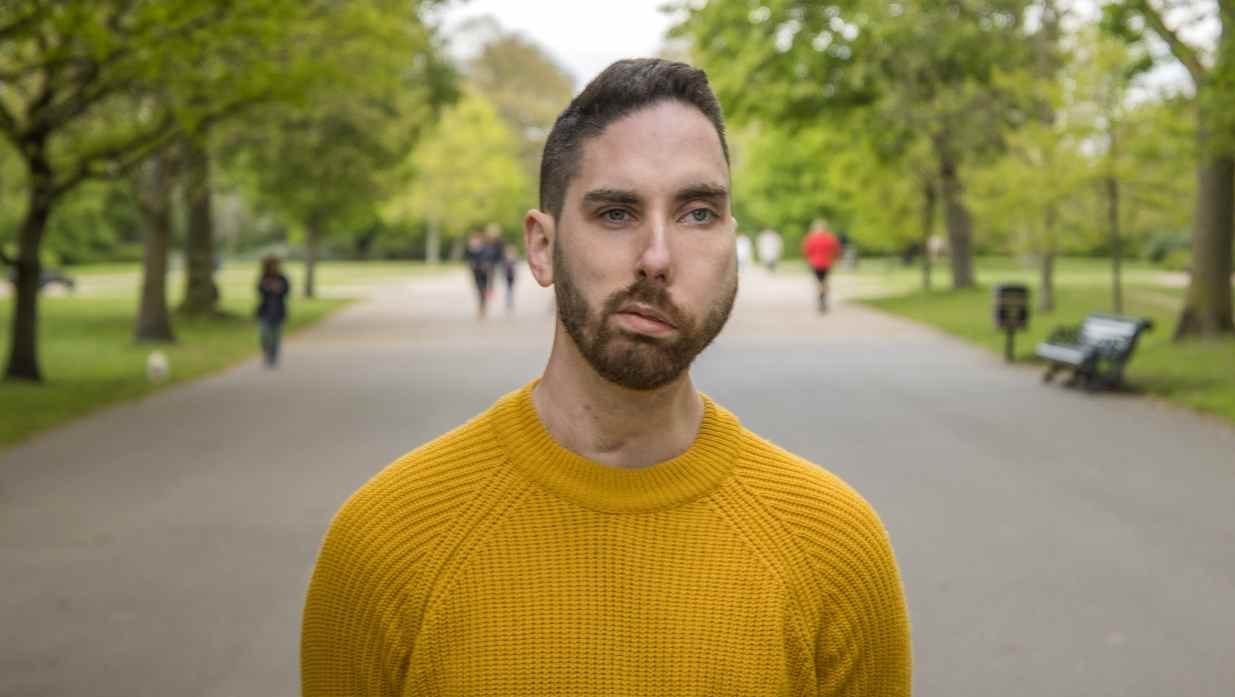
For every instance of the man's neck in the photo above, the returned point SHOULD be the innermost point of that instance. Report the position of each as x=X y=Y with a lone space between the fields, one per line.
x=610 y=424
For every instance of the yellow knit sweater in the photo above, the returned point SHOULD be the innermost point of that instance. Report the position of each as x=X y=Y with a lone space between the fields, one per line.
x=493 y=562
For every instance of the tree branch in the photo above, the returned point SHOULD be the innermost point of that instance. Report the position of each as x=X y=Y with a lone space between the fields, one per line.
x=1182 y=51
x=19 y=25
x=117 y=160
x=87 y=90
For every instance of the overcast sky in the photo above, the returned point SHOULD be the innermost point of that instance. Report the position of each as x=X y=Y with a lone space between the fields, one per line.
x=587 y=35
x=584 y=35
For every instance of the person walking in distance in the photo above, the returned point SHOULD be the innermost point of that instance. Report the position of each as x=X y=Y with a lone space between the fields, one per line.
x=607 y=529
x=510 y=260
x=272 y=291
x=745 y=251
x=477 y=254
x=495 y=251
x=821 y=247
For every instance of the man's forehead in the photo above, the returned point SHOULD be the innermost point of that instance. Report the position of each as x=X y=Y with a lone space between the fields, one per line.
x=664 y=146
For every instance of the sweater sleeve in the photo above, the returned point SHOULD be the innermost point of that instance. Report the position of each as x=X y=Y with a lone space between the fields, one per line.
x=863 y=648
x=352 y=639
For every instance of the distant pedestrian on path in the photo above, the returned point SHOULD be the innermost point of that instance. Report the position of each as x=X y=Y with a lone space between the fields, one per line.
x=495 y=253
x=821 y=248
x=510 y=263
x=745 y=251
x=272 y=291
x=607 y=529
x=477 y=256
x=770 y=247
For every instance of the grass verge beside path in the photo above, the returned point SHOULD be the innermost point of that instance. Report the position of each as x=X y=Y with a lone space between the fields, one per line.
x=1199 y=374
x=89 y=358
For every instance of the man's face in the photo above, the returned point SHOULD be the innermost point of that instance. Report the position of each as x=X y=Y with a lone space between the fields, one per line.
x=643 y=262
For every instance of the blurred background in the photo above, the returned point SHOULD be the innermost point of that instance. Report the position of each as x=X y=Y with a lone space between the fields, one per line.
x=153 y=153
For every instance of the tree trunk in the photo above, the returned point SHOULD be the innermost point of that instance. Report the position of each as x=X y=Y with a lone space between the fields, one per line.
x=1207 y=309
x=201 y=295
x=1046 y=294
x=958 y=222
x=154 y=195
x=433 y=245
x=312 y=244
x=1112 y=215
x=23 y=351
x=928 y=228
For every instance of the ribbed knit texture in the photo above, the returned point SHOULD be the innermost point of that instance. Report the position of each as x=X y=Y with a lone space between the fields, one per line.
x=494 y=562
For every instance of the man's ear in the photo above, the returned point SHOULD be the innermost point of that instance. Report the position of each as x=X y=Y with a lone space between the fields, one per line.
x=539 y=232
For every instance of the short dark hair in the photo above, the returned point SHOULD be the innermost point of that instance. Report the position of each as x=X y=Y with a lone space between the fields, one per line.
x=623 y=88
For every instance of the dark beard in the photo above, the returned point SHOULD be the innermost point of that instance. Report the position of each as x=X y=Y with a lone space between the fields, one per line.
x=635 y=361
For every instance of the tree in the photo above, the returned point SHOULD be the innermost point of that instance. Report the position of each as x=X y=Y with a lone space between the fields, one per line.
x=526 y=86
x=1207 y=307
x=466 y=173
x=782 y=180
x=1023 y=194
x=330 y=167
x=152 y=182
x=201 y=293
x=921 y=69
x=1106 y=69
x=90 y=89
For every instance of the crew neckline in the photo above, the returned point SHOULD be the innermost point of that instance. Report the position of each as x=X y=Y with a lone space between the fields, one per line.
x=700 y=469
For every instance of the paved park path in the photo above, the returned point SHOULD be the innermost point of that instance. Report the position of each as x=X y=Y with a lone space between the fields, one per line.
x=1052 y=542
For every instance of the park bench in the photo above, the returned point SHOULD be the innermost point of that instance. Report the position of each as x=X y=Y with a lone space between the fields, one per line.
x=1096 y=351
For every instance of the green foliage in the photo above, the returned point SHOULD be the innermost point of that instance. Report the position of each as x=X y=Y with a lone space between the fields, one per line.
x=526 y=86
x=466 y=173
x=98 y=221
x=907 y=90
x=1167 y=244
x=781 y=181
x=328 y=159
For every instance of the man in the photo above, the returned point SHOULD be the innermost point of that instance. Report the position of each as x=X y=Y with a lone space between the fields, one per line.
x=607 y=530
x=477 y=256
x=820 y=247
x=495 y=252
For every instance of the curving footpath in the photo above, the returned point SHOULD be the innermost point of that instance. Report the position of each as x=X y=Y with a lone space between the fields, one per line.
x=1051 y=542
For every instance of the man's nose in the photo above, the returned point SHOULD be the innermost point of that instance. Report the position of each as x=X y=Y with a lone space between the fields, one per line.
x=655 y=261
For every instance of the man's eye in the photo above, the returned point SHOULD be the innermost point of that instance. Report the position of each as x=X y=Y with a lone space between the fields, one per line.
x=701 y=215
x=615 y=215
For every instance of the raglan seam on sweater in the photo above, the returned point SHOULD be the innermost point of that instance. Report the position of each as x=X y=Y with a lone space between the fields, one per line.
x=790 y=531
x=449 y=569
x=839 y=609
x=801 y=631
x=795 y=536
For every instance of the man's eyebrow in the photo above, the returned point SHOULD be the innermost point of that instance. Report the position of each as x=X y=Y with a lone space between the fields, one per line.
x=596 y=196
x=703 y=191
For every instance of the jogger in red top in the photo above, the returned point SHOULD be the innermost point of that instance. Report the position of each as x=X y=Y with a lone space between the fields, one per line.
x=821 y=248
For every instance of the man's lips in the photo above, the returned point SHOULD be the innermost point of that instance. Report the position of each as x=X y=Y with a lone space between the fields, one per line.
x=647 y=312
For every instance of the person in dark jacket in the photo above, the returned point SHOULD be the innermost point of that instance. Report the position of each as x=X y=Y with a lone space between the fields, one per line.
x=477 y=256
x=272 y=290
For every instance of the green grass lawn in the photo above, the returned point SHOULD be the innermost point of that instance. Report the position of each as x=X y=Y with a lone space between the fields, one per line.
x=89 y=358
x=1199 y=374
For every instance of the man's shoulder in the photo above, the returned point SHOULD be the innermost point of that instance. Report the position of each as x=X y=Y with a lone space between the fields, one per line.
x=427 y=483
x=815 y=504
